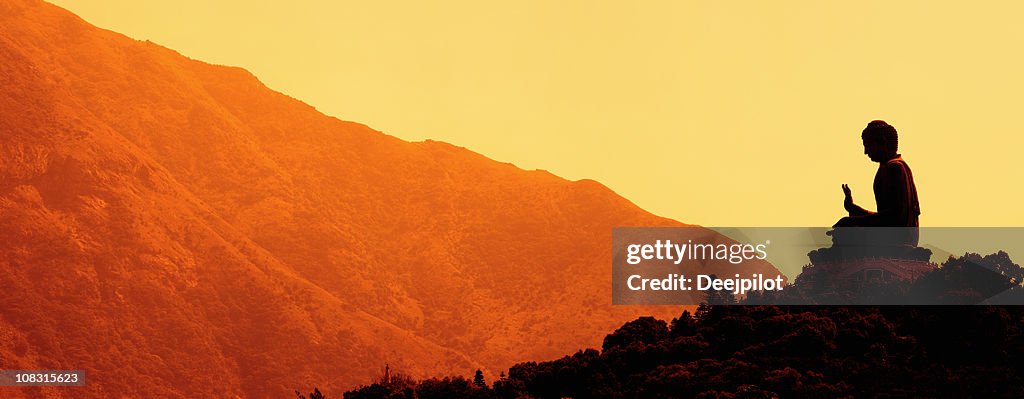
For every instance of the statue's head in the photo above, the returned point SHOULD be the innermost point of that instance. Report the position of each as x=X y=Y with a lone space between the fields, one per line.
x=880 y=141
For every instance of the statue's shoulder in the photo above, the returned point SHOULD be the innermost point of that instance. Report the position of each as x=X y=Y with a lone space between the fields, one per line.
x=897 y=165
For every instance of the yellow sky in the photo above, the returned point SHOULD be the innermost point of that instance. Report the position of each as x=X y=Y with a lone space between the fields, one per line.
x=715 y=113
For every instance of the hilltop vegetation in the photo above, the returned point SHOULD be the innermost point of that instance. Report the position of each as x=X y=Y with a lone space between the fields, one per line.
x=724 y=351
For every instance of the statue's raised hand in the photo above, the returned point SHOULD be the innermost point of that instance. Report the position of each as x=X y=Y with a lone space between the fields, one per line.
x=848 y=201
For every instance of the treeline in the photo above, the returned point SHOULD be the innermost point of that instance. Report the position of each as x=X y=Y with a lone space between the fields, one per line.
x=968 y=280
x=764 y=351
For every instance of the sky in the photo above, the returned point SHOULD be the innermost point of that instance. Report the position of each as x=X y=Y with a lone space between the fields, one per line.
x=738 y=113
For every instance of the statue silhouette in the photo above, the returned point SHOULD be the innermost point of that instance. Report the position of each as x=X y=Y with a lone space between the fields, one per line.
x=870 y=245
x=895 y=195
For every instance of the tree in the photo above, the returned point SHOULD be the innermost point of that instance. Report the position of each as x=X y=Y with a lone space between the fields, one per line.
x=478 y=379
x=312 y=395
x=644 y=330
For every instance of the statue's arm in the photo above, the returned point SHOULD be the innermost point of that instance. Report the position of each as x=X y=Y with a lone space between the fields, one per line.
x=856 y=210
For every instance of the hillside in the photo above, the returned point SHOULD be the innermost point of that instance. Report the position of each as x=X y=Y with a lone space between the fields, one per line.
x=178 y=229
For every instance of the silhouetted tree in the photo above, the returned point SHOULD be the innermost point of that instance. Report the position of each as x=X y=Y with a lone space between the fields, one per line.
x=478 y=379
x=446 y=388
x=312 y=395
x=645 y=330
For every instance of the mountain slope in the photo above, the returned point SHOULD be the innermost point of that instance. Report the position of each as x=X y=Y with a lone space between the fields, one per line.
x=110 y=265
x=177 y=222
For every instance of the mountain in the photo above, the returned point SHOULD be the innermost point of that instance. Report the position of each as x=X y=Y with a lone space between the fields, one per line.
x=177 y=229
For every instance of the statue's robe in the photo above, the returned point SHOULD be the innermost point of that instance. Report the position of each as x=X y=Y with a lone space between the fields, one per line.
x=896 y=200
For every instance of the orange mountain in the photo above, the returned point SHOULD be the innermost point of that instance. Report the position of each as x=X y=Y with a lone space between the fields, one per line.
x=177 y=229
